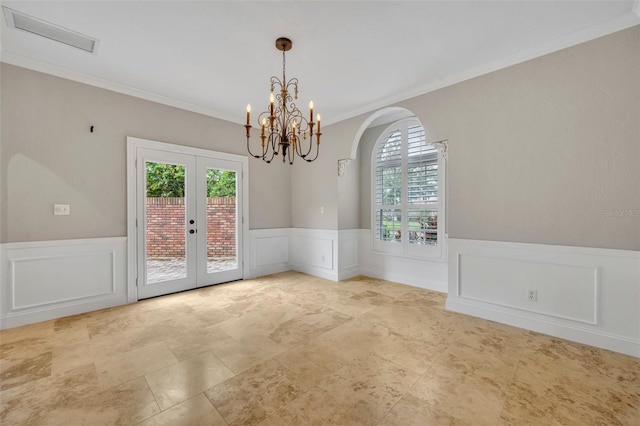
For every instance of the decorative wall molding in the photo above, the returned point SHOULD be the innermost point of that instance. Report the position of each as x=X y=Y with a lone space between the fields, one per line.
x=590 y=33
x=430 y=274
x=443 y=147
x=329 y=254
x=269 y=251
x=91 y=80
x=315 y=252
x=348 y=254
x=342 y=166
x=51 y=279
x=587 y=295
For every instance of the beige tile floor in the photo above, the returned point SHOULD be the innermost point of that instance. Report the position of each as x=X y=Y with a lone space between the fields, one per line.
x=290 y=349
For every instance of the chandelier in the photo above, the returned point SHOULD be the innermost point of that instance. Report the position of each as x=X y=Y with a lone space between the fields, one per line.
x=283 y=129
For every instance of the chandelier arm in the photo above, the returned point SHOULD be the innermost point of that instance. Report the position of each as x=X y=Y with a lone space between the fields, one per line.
x=317 y=152
x=309 y=150
x=248 y=127
x=268 y=149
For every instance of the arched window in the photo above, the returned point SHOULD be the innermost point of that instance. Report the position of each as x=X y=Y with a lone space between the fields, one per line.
x=407 y=181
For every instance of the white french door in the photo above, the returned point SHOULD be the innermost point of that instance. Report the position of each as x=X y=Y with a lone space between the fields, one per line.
x=188 y=221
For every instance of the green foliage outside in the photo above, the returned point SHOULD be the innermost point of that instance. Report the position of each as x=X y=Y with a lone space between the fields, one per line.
x=221 y=183
x=167 y=180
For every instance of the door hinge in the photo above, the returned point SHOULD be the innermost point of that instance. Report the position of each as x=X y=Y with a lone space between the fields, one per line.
x=136 y=282
x=136 y=223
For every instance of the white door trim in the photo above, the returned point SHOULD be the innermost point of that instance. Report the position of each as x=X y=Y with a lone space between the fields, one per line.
x=132 y=145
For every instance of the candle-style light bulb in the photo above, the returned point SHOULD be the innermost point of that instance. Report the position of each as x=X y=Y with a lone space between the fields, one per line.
x=271 y=100
x=264 y=124
x=293 y=134
x=248 y=113
x=318 y=118
x=311 y=111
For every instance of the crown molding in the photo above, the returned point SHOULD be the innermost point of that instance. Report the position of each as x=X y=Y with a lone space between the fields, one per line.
x=629 y=20
x=91 y=80
x=573 y=39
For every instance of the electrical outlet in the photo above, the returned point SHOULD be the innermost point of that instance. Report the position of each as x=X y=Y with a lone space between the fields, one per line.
x=61 y=209
x=532 y=295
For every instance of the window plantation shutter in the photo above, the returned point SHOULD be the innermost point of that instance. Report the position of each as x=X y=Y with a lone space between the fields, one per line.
x=422 y=188
x=422 y=168
x=389 y=170
x=406 y=191
x=389 y=188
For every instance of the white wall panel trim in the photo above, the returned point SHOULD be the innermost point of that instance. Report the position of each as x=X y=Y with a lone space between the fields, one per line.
x=427 y=273
x=529 y=272
x=44 y=280
x=36 y=262
x=315 y=252
x=585 y=294
x=348 y=266
x=269 y=250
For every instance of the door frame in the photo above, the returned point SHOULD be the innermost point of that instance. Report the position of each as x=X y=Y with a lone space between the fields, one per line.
x=133 y=144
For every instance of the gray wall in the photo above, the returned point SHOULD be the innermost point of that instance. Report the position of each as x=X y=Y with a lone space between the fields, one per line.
x=349 y=197
x=315 y=185
x=47 y=156
x=538 y=152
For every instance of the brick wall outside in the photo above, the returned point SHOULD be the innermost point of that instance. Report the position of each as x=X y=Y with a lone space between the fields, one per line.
x=166 y=233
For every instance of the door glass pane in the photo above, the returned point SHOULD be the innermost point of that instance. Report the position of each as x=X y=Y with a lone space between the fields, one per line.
x=165 y=227
x=221 y=220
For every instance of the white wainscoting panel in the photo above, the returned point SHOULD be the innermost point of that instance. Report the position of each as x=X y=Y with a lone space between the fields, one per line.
x=348 y=266
x=52 y=279
x=587 y=295
x=424 y=273
x=562 y=291
x=315 y=252
x=269 y=251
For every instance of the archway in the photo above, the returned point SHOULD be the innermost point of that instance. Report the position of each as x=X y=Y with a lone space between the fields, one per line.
x=382 y=116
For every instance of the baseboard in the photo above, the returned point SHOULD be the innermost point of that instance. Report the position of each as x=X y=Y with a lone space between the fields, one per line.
x=588 y=295
x=44 y=280
x=346 y=273
x=315 y=271
x=412 y=280
x=60 y=311
x=268 y=270
x=595 y=338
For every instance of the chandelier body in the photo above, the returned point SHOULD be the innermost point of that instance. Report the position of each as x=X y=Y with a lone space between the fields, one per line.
x=284 y=130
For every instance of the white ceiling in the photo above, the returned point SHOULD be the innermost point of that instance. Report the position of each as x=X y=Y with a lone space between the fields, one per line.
x=351 y=57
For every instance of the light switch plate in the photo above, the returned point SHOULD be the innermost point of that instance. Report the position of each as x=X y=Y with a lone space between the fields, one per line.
x=61 y=209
